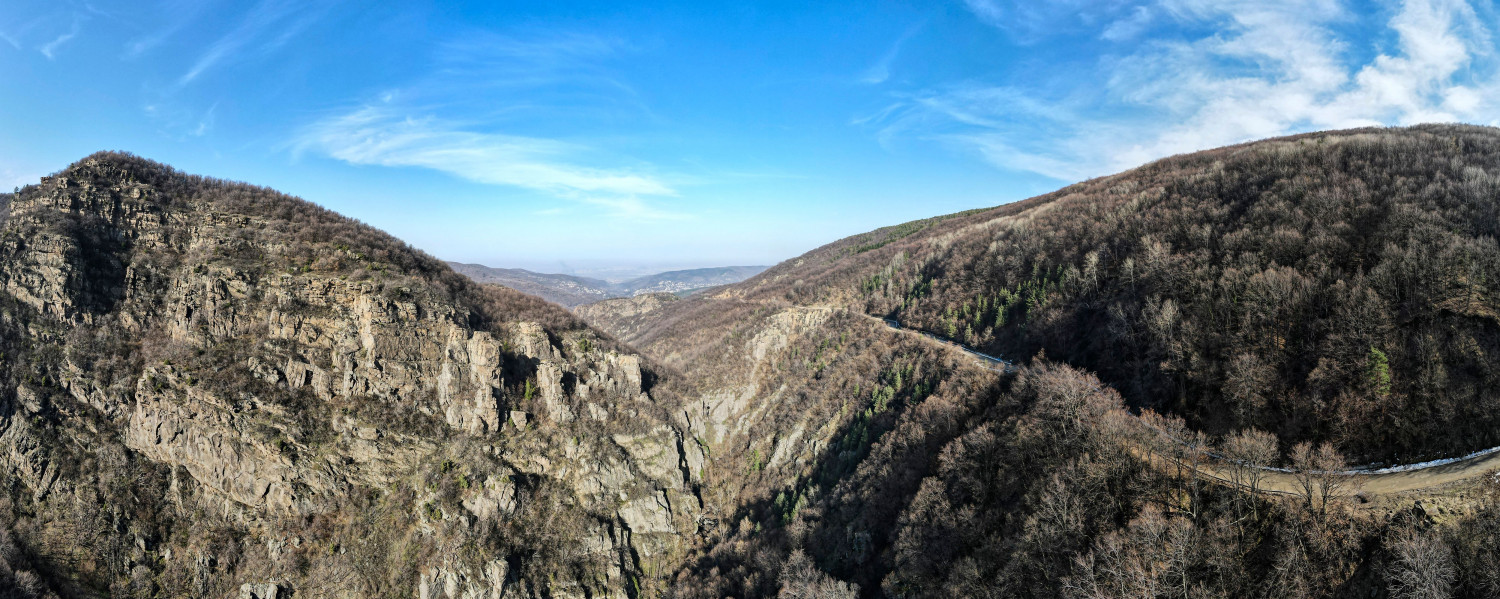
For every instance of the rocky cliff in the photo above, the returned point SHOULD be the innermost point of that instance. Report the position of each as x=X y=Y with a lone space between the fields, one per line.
x=626 y=316
x=233 y=392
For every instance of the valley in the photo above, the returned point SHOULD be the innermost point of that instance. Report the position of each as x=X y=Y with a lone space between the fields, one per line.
x=1150 y=384
x=570 y=291
x=977 y=299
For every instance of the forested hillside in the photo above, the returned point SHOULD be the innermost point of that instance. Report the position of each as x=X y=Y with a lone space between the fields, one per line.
x=1327 y=287
x=565 y=290
x=1335 y=287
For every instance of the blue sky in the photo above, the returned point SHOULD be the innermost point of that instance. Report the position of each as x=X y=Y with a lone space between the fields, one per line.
x=587 y=136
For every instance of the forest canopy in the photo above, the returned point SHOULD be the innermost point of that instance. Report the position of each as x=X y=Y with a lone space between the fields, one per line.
x=1333 y=286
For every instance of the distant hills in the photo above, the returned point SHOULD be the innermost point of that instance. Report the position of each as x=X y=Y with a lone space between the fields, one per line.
x=570 y=291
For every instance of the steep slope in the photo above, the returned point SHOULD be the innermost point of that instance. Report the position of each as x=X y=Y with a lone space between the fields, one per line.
x=1329 y=287
x=1334 y=287
x=626 y=317
x=209 y=388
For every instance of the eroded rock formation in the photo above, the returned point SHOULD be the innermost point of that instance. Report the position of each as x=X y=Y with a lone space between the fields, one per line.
x=298 y=379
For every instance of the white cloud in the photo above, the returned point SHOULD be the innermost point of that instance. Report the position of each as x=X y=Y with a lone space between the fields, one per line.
x=482 y=86
x=49 y=48
x=267 y=27
x=1029 y=21
x=1129 y=27
x=1274 y=67
x=380 y=136
x=881 y=71
x=988 y=11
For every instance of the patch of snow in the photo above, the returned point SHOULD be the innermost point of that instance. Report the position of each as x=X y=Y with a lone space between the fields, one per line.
x=1431 y=464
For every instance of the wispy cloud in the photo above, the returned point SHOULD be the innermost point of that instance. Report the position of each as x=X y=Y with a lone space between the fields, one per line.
x=1029 y=21
x=49 y=48
x=1130 y=26
x=461 y=119
x=989 y=11
x=631 y=208
x=139 y=46
x=178 y=15
x=532 y=74
x=881 y=70
x=550 y=52
x=380 y=136
x=206 y=122
x=1274 y=67
x=267 y=27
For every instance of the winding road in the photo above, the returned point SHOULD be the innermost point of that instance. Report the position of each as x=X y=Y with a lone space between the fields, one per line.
x=1386 y=480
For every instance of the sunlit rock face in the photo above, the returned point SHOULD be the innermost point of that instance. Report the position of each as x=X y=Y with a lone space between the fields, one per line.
x=327 y=399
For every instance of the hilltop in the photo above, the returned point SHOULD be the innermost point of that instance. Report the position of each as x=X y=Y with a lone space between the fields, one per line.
x=212 y=389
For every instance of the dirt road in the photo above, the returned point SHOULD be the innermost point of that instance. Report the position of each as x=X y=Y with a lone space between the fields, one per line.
x=1395 y=479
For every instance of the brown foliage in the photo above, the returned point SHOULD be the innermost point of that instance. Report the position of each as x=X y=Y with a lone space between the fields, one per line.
x=1423 y=567
x=1249 y=286
x=1250 y=452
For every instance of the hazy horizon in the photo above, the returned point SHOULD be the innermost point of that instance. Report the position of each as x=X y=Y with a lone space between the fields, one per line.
x=607 y=270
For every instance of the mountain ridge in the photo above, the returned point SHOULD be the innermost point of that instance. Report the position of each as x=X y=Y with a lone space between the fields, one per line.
x=826 y=274
x=208 y=387
x=271 y=384
x=1341 y=280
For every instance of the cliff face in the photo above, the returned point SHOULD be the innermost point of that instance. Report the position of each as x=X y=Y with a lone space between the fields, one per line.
x=626 y=316
x=347 y=416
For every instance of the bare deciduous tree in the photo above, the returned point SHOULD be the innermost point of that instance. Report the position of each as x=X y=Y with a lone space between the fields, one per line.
x=1423 y=568
x=1152 y=557
x=800 y=579
x=1251 y=451
x=1333 y=477
x=1320 y=473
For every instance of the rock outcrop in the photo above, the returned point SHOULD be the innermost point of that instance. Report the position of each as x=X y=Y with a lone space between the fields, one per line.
x=299 y=377
x=625 y=316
